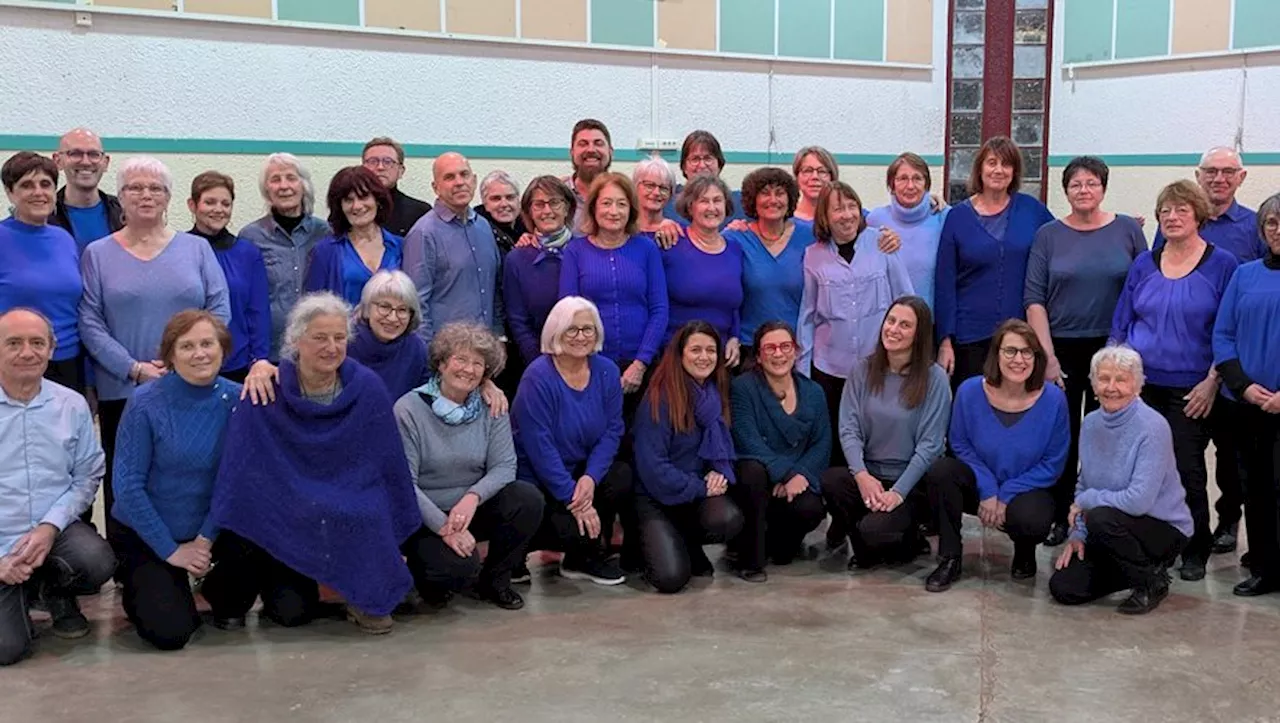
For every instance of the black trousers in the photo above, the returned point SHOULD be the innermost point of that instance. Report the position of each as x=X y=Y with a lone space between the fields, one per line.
x=507 y=520
x=672 y=536
x=68 y=372
x=832 y=389
x=970 y=357
x=773 y=528
x=1230 y=471
x=1261 y=447
x=1122 y=552
x=1191 y=438
x=246 y=572
x=109 y=413
x=612 y=499
x=953 y=490
x=1074 y=356
x=876 y=533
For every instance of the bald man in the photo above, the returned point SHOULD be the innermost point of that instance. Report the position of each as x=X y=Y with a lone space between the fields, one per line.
x=451 y=255
x=50 y=467
x=85 y=212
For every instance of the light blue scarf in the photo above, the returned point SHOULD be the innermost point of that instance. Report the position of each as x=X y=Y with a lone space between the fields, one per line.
x=449 y=411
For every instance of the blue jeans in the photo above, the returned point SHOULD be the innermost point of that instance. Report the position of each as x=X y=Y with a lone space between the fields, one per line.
x=79 y=563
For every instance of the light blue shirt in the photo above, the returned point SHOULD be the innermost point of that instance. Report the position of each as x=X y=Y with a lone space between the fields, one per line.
x=454 y=262
x=50 y=461
x=843 y=303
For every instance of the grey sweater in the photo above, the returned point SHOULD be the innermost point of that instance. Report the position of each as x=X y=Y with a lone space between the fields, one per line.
x=447 y=461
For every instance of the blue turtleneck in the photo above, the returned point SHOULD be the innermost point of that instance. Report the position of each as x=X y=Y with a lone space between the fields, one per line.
x=920 y=228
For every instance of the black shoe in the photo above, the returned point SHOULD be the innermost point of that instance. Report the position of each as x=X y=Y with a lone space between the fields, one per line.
x=700 y=565
x=68 y=622
x=944 y=575
x=1244 y=559
x=863 y=560
x=599 y=571
x=1024 y=566
x=228 y=623
x=521 y=574
x=1145 y=599
x=1224 y=540
x=837 y=536
x=1192 y=569
x=752 y=575
x=1057 y=534
x=1256 y=585
x=437 y=599
x=506 y=598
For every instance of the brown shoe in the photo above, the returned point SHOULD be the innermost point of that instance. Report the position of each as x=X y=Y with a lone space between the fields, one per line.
x=371 y=624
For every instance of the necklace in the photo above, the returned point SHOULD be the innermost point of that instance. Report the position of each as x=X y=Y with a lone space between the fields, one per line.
x=767 y=239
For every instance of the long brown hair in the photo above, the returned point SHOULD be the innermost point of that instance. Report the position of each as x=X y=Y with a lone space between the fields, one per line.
x=916 y=385
x=671 y=382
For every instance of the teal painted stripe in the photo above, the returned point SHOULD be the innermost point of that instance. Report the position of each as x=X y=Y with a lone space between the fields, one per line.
x=1264 y=158
x=240 y=147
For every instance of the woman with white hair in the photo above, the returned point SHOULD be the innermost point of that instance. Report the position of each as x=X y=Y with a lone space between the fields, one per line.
x=1130 y=518
x=135 y=280
x=567 y=417
x=500 y=206
x=314 y=489
x=285 y=236
x=655 y=182
x=386 y=317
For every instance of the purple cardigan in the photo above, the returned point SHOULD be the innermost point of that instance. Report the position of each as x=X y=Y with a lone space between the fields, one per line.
x=323 y=488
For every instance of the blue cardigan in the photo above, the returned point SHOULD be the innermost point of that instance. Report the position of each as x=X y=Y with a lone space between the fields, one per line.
x=668 y=467
x=978 y=282
x=250 y=323
x=786 y=444
x=1008 y=461
x=335 y=266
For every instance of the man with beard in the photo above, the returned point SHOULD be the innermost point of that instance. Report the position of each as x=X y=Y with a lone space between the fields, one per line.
x=85 y=212
x=591 y=150
x=385 y=157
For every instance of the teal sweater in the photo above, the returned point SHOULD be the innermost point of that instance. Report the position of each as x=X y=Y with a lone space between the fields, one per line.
x=786 y=444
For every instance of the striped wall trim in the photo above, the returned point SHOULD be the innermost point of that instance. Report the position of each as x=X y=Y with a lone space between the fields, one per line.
x=1259 y=158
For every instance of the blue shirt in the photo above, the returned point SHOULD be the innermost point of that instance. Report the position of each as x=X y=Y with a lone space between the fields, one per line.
x=669 y=211
x=979 y=280
x=844 y=303
x=336 y=266
x=454 y=262
x=40 y=269
x=1235 y=231
x=771 y=285
x=1007 y=461
x=50 y=461
x=246 y=275
x=88 y=224
x=530 y=287
x=1170 y=321
x=562 y=433
x=921 y=229
x=167 y=454
x=285 y=256
x=629 y=287
x=127 y=302
x=1248 y=324
x=703 y=286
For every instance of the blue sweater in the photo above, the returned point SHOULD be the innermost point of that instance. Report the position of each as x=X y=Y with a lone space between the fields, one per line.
x=401 y=363
x=668 y=467
x=336 y=266
x=786 y=444
x=530 y=287
x=1008 y=461
x=771 y=285
x=1170 y=321
x=629 y=287
x=40 y=269
x=167 y=454
x=703 y=287
x=250 y=323
x=1247 y=331
x=1127 y=463
x=562 y=433
x=921 y=230
x=978 y=282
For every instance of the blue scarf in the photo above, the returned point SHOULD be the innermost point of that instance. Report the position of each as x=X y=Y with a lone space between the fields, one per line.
x=449 y=411
x=716 y=447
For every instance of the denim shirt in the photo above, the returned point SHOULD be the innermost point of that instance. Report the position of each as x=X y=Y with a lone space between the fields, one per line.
x=455 y=263
x=843 y=303
x=286 y=257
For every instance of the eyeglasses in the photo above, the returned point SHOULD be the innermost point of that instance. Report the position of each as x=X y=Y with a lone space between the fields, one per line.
x=1224 y=172
x=384 y=309
x=651 y=187
x=381 y=162
x=1078 y=186
x=785 y=347
x=915 y=180
x=1009 y=352
x=819 y=171
x=137 y=189
x=583 y=332
x=77 y=154
x=458 y=360
x=554 y=204
x=701 y=161
x=1271 y=225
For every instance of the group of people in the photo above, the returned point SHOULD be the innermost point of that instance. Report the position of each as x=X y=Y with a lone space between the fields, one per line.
x=603 y=363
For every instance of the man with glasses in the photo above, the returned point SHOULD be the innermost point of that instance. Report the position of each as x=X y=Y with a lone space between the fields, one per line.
x=385 y=157
x=85 y=212
x=700 y=155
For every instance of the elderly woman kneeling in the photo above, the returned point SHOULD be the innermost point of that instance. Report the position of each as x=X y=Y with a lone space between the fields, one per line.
x=1130 y=517
x=463 y=461
x=313 y=489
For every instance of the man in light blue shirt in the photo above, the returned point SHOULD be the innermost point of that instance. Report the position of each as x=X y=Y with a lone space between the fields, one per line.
x=451 y=256
x=50 y=467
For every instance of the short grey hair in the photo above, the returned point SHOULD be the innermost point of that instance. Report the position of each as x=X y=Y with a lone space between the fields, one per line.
x=48 y=325
x=561 y=318
x=288 y=159
x=144 y=166
x=498 y=177
x=654 y=166
x=1222 y=149
x=398 y=286
x=308 y=308
x=1270 y=208
x=463 y=336
x=1123 y=357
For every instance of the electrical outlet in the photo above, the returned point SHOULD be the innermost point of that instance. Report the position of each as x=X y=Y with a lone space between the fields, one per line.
x=84 y=20
x=657 y=144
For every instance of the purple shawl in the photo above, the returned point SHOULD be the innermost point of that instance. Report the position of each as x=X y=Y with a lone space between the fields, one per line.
x=401 y=363
x=325 y=489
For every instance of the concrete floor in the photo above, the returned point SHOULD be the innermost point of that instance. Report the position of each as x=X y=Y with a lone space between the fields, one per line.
x=812 y=644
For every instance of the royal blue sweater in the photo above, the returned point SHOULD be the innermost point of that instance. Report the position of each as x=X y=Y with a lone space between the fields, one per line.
x=167 y=455
x=979 y=280
x=530 y=287
x=562 y=433
x=668 y=466
x=1246 y=337
x=1008 y=461
x=628 y=286
x=250 y=323
x=40 y=269
x=703 y=287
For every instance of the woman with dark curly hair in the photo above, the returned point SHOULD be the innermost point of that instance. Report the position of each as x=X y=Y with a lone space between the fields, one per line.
x=359 y=206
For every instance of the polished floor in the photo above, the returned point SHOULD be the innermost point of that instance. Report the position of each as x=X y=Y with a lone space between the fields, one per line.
x=812 y=644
